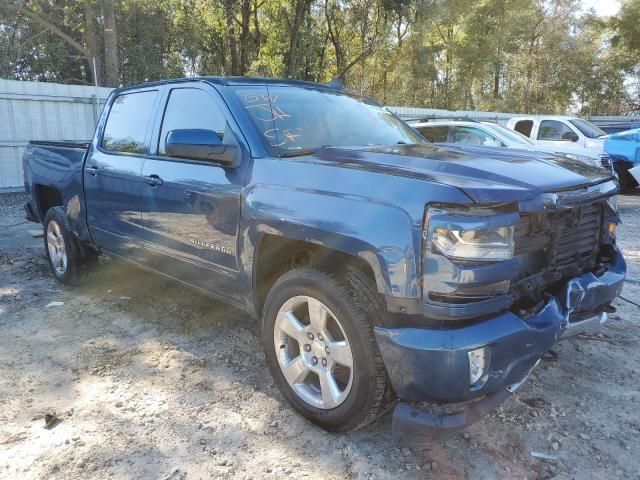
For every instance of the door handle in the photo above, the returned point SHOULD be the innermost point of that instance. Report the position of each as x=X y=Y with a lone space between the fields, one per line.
x=153 y=180
x=93 y=171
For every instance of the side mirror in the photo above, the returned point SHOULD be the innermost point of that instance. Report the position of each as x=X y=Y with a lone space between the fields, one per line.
x=196 y=144
x=571 y=136
x=491 y=143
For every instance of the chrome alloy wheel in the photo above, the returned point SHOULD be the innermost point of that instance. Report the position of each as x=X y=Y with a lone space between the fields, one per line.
x=313 y=352
x=56 y=247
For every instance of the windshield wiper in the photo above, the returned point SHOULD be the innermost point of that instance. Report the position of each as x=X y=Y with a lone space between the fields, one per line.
x=300 y=152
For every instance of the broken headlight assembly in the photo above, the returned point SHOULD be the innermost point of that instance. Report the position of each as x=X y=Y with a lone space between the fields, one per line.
x=491 y=244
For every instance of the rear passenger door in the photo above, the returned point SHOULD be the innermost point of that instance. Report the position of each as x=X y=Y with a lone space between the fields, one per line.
x=113 y=186
x=524 y=127
x=191 y=208
x=474 y=136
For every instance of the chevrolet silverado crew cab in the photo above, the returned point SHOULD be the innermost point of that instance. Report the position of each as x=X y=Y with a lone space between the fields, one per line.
x=383 y=268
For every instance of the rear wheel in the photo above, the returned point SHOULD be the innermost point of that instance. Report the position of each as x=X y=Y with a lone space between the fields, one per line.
x=66 y=259
x=320 y=348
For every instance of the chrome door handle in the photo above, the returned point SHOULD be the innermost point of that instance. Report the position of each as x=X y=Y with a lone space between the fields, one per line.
x=93 y=171
x=153 y=180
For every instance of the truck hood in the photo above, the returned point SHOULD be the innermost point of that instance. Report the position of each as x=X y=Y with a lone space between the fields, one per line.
x=485 y=174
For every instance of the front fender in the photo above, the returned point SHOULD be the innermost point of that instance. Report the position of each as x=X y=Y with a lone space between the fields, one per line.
x=382 y=235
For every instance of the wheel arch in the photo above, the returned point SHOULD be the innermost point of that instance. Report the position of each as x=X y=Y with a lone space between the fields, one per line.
x=277 y=254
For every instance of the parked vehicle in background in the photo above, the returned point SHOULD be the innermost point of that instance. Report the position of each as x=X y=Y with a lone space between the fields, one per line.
x=551 y=130
x=469 y=132
x=382 y=267
x=624 y=149
x=572 y=132
x=617 y=126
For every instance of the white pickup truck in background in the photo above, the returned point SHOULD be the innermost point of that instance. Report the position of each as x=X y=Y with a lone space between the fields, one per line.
x=473 y=132
x=549 y=130
x=572 y=133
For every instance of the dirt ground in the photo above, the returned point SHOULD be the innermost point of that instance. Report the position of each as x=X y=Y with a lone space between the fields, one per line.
x=152 y=380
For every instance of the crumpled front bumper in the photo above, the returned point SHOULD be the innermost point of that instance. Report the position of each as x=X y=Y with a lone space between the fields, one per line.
x=431 y=364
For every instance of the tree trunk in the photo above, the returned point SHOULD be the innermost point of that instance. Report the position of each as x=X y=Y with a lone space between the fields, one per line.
x=244 y=36
x=111 y=69
x=92 y=41
x=256 y=27
x=299 y=7
x=230 y=14
x=334 y=36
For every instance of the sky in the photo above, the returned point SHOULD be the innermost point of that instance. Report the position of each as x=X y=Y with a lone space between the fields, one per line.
x=603 y=8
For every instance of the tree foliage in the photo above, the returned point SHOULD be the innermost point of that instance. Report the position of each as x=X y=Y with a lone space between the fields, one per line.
x=512 y=55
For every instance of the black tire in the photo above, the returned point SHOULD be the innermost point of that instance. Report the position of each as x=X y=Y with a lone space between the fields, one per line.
x=78 y=262
x=352 y=298
x=625 y=179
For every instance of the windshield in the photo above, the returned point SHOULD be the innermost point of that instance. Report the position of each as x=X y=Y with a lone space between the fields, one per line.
x=511 y=135
x=588 y=129
x=298 y=120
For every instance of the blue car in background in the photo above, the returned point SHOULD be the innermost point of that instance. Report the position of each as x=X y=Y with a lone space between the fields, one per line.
x=624 y=148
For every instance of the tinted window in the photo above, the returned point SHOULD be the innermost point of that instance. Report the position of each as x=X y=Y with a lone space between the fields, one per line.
x=294 y=119
x=474 y=136
x=588 y=129
x=524 y=127
x=555 y=130
x=434 y=134
x=126 y=126
x=191 y=108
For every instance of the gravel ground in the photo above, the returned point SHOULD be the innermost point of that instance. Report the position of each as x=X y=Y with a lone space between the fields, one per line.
x=151 y=380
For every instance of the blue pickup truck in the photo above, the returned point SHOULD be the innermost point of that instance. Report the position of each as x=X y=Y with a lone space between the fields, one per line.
x=384 y=269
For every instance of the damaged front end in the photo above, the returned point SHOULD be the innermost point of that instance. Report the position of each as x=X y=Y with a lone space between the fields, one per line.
x=494 y=302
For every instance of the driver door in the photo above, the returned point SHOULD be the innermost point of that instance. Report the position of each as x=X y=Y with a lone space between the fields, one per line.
x=191 y=208
x=550 y=132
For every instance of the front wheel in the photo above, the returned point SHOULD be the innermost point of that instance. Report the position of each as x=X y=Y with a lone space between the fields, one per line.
x=320 y=348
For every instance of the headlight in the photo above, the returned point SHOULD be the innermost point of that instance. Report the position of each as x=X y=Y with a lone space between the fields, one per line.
x=582 y=158
x=479 y=245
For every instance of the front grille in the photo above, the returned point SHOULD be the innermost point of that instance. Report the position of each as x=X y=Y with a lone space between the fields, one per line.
x=606 y=162
x=577 y=234
x=561 y=237
x=553 y=247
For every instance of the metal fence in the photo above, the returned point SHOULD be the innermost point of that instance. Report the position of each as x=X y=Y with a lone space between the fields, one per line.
x=42 y=111
x=412 y=113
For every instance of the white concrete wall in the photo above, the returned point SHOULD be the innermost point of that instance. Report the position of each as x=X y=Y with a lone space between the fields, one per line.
x=42 y=111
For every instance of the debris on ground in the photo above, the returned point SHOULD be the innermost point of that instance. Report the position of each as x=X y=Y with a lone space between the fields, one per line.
x=51 y=419
x=54 y=304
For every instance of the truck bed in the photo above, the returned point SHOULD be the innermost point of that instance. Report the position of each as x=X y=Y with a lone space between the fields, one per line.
x=53 y=176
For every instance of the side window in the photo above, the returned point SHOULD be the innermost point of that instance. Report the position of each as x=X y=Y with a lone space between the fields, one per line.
x=192 y=108
x=524 y=127
x=474 y=136
x=555 y=130
x=126 y=126
x=434 y=134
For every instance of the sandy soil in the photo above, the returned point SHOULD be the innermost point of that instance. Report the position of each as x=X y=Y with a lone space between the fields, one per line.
x=152 y=380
